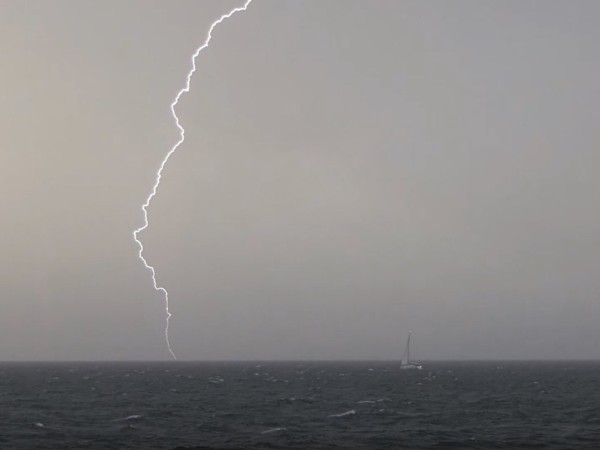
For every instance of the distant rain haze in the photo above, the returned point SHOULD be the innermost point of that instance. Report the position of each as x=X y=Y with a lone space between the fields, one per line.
x=352 y=170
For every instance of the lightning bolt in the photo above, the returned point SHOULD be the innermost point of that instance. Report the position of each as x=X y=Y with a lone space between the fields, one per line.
x=159 y=174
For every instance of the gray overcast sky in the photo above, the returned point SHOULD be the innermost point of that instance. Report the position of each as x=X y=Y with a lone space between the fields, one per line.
x=352 y=170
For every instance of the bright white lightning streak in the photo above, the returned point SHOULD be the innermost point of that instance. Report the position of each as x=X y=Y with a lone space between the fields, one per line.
x=166 y=159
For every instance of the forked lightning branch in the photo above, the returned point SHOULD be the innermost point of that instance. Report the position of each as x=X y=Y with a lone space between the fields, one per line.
x=159 y=174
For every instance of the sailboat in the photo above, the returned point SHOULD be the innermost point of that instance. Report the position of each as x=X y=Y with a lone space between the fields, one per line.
x=405 y=363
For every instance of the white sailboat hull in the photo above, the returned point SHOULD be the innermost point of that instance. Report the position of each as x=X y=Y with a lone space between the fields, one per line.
x=411 y=367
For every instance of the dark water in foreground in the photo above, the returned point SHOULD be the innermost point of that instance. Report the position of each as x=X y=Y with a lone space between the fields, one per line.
x=299 y=405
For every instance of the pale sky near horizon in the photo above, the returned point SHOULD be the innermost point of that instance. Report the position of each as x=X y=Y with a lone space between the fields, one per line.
x=352 y=170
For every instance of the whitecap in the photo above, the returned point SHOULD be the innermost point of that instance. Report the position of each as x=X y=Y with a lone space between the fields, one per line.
x=365 y=401
x=216 y=380
x=346 y=413
x=273 y=430
x=132 y=417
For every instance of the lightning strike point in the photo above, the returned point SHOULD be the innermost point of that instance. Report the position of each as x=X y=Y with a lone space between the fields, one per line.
x=184 y=90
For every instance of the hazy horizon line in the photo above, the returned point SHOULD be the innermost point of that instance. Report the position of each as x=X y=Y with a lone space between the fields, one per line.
x=267 y=361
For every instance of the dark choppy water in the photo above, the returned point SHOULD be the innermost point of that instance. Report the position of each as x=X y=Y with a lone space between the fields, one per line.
x=299 y=405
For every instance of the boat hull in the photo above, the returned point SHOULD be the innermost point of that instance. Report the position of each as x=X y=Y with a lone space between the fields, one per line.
x=411 y=367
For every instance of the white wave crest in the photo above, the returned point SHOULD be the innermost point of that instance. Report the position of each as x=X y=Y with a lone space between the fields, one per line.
x=273 y=430
x=128 y=418
x=346 y=413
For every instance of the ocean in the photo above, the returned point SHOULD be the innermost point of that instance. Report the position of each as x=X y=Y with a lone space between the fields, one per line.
x=299 y=405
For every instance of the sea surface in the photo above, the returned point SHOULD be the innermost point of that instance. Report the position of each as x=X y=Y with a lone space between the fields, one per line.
x=312 y=405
